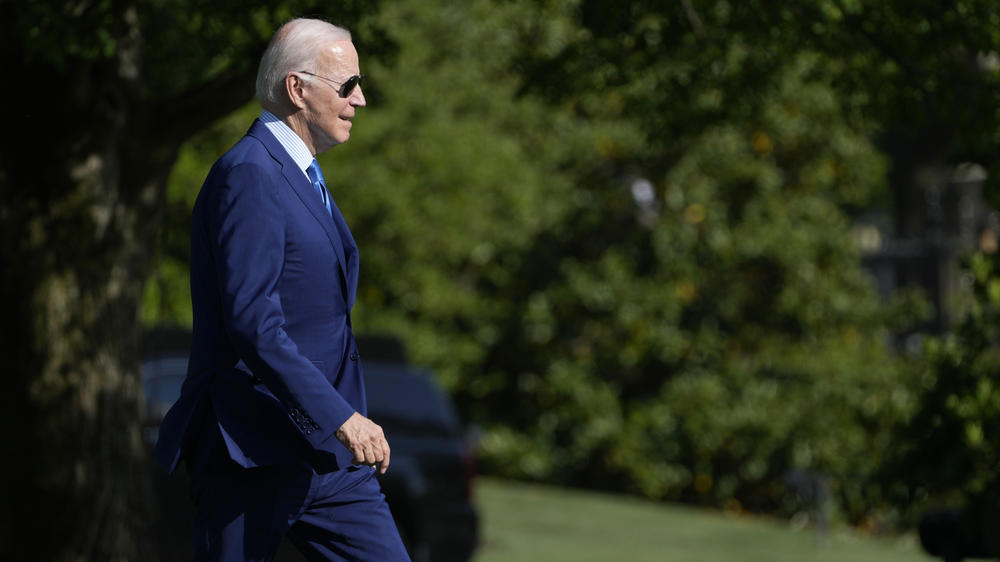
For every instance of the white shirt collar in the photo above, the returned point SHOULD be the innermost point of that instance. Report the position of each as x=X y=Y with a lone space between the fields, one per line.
x=291 y=142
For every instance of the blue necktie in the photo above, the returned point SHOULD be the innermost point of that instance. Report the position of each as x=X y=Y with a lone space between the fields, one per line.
x=316 y=176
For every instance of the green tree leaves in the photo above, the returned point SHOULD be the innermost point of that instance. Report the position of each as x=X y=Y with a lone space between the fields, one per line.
x=947 y=452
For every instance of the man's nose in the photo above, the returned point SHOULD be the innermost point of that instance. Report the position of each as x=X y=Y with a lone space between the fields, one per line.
x=358 y=97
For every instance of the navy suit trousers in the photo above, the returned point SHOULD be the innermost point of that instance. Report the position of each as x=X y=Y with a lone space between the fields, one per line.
x=242 y=514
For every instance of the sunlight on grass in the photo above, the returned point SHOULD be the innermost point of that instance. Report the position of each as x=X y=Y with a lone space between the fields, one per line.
x=527 y=522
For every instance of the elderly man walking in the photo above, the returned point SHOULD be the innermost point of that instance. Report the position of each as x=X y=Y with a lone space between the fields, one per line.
x=271 y=423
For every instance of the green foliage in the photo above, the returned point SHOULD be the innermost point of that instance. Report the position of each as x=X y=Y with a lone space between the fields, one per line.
x=693 y=342
x=712 y=346
x=947 y=452
x=183 y=44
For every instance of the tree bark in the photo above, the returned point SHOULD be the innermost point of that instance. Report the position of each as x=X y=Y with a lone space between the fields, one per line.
x=76 y=235
x=74 y=282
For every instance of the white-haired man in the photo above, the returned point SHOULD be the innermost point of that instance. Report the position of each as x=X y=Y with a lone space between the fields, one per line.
x=271 y=420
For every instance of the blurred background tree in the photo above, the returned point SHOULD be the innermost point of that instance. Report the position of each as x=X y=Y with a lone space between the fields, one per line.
x=946 y=454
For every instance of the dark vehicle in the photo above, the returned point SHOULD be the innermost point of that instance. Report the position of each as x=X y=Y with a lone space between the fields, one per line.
x=956 y=534
x=429 y=482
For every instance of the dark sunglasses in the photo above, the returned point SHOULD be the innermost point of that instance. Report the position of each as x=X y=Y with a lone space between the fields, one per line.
x=346 y=87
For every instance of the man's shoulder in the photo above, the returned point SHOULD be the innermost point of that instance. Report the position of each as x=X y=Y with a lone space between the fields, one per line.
x=248 y=153
x=248 y=163
x=249 y=149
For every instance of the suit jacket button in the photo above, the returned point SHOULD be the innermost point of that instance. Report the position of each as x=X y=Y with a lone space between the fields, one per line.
x=309 y=432
x=354 y=356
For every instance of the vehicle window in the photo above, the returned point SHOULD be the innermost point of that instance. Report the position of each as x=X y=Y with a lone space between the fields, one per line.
x=407 y=396
x=162 y=378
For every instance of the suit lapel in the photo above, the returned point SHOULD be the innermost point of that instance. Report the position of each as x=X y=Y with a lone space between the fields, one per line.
x=307 y=194
x=351 y=248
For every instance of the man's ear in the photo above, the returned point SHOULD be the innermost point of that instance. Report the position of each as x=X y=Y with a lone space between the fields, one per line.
x=295 y=88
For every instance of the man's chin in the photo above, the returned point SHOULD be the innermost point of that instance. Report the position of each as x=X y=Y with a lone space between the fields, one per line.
x=339 y=138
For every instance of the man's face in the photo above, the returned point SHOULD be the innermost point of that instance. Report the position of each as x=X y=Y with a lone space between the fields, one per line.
x=329 y=115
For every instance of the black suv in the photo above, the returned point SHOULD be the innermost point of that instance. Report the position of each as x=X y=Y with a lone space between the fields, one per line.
x=429 y=483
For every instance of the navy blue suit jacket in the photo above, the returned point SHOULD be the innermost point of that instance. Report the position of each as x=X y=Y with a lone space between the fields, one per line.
x=274 y=368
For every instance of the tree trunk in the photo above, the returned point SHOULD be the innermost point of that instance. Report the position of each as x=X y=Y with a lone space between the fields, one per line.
x=77 y=407
x=82 y=182
x=73 y=281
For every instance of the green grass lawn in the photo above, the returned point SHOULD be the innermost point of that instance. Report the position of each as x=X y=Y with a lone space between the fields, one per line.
x=523 y=522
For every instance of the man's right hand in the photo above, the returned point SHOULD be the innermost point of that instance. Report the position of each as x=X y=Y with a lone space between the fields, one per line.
x=364 y=438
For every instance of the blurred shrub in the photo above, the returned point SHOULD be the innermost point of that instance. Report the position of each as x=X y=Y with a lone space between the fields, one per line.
x=947 y=453
x=721 y=334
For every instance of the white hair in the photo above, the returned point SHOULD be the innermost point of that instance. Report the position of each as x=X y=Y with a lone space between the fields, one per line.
x=294 y=47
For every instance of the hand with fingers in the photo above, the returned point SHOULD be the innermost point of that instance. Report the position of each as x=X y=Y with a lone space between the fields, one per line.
x=365 y=439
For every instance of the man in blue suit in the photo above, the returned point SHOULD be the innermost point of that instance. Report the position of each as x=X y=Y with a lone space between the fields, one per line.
x=271 y=423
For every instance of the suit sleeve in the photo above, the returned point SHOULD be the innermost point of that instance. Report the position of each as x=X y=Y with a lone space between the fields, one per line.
x=247 y=236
